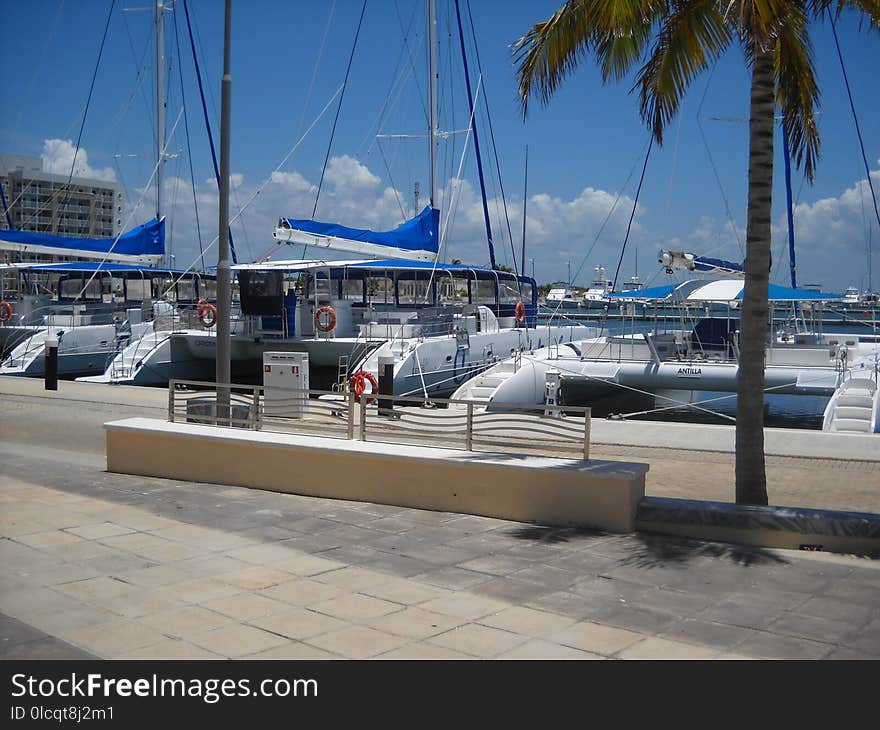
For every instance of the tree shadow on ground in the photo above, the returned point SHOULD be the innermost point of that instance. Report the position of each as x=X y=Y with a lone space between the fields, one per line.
x=655 y=550
x=555 y=535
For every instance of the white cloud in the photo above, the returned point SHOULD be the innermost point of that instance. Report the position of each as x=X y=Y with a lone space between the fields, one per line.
x=58 y=157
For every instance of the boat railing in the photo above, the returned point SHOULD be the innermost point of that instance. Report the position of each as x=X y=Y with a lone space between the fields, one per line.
x=450 y=423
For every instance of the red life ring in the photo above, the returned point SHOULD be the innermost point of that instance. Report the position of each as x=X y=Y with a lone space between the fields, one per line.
x=5 y=311
x=208 y=315
x=330 y=324
x=358 y=384
x=520 y=312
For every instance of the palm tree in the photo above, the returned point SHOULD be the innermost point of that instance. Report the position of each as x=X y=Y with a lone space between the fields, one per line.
x=671 y=42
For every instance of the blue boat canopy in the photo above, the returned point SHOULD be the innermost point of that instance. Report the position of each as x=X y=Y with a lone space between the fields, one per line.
x=145 y=240
x=417 y=238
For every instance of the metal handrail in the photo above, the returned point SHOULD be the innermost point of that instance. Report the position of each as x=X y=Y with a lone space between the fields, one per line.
x=385 y=417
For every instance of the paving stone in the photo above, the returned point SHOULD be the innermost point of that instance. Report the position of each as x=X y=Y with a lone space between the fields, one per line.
x=357 y=642
x=293 y=650
x=256 y=578
x=309 y=565
x=465 y=605
x=454 y=578
x=45 y=648
x=812 y=627
x=406 y=592
x=95 y=589
x=236 y=640
x=708 y=633
x=114 y=639
x=415 y=623
x=52 y=538
x=656 y=648
x=200 y=590
x=774 y=646
x=596 y=638
x=356 y=607
x=99 y=529
x=245 y=606
x=298 y=623
x=479 y=641
x=422 y=650
x=855 y=614
x=541 y=649
x=186 y=622
x=352 y=579
x=522 y=620
x=171 y=649
x=303 y=592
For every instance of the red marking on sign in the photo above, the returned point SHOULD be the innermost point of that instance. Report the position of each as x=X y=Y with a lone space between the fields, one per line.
x=294 y=369
x=267 y=368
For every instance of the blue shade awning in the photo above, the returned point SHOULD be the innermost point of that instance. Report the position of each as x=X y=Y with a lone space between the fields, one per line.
x=419 y=235
x=145 y=240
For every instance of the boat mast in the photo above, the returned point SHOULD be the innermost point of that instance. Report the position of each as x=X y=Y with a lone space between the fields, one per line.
x=224 y=278
x=432 y=87
x=160 y=103
x=525 y=203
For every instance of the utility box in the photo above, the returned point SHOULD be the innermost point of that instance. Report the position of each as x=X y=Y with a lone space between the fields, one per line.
x=285 y=384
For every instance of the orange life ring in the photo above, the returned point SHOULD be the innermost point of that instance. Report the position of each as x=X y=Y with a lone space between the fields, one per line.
x=358 y=384
x=520 y=312
x=330 y=324
x=5 y=311
x=208 y=315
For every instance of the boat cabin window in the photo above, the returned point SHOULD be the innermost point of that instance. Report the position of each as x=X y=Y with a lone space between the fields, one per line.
x=413 y=291
x=186 y=290
x=208 y=289
x=452 y=289
x=527 y=292
x=380 y=289
x=262 y=292
x=70 y=288
x=508 y=291
x=483 y=292
x=353 y=290
x=137 y=290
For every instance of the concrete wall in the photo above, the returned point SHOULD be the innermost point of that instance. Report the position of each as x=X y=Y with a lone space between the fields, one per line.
x=599 y=494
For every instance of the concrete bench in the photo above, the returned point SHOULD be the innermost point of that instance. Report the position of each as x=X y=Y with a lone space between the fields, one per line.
x=793 y=528
x=543 y=490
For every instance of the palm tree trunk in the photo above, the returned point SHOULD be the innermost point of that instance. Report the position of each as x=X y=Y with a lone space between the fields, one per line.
x=751 y=479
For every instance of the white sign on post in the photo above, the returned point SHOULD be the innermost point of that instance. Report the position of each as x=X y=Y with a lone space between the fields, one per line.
x=285 y=384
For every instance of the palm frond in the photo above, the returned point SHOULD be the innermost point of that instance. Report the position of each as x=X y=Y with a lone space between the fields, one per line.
x=616 y=30
x=691 y=37
x=797 y=93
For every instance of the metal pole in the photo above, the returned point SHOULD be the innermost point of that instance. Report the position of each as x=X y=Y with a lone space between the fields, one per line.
x=432 y=93
x=469 y=429
x=160 y=107
x=51 y=363
x=525 y=203
x=224 y=283
x=588 y=417
x=171 y=388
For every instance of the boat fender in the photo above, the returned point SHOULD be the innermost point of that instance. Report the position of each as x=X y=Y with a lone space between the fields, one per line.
x=5 y=311
x=208 y=315
x=357 y=384
x=328 y=323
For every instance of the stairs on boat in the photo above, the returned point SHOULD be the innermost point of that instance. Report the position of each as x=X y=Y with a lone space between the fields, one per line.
x=854 y=408
x=482 y=387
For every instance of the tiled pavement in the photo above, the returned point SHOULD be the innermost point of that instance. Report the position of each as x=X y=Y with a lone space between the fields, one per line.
x=93 y=563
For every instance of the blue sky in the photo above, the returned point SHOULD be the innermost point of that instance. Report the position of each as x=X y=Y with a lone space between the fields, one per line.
x=585 y=148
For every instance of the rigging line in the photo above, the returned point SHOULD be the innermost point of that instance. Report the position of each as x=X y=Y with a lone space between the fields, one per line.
x=339 y=108
x=467 y=77
x=492 y=138
x=633 y=213
x=456 y=188
x=139 y=67
x=617 y=198
x=134 y=209
x=855 y=117
x=712 y=161
x=88 y=102
x=192 y=44
x=302 y=117
x=192 y=176
x=391 y=180
x=281 y=164
x=409 y=53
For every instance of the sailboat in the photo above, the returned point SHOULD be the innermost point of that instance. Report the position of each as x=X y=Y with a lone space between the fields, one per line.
x=438 y=323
